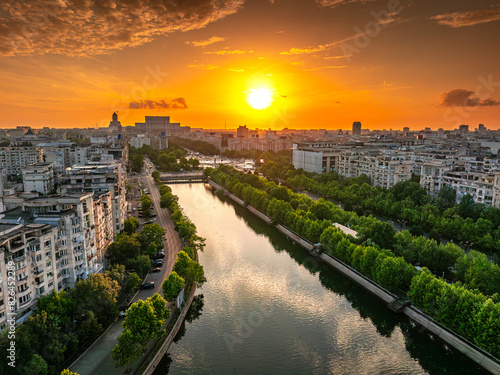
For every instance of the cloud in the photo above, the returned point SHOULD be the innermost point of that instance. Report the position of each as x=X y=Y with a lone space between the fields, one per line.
x=207 y=42
x=94 y=27
x=308 y=50
x=203 y=66
x=325 y=67
x=461 y=19
x=335 y=3
x=338 y=57
x=225 y=52
x=177 y=103
x=464 y=98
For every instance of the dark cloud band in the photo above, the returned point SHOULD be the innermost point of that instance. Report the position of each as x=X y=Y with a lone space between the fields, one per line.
x=93 y=27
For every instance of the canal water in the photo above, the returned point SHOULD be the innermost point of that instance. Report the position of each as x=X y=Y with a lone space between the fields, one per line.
x=268 y=307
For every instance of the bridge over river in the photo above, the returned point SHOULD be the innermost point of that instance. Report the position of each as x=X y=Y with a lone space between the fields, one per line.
x=183 y=177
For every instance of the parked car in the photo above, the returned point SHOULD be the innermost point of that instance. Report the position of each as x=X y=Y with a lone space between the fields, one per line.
x=159 y=255
x=156 y=269
x=153 y=215
x=158 y=263
x=150 y=285
x=148 y=222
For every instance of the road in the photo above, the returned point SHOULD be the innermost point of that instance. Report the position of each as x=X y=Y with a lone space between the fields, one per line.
x=96 y=360
x=172 y=243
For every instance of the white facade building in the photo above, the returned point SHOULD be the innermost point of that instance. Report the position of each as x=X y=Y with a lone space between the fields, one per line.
x=38 y=177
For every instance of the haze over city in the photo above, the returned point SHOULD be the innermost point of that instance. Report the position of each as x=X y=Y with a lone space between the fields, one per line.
x=317 y=64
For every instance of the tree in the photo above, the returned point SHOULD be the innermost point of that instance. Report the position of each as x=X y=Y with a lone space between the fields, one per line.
x=130 y=225
x=187 y=268
x=36 y=366
x=151 y=234
x=97 y=293
x=382 y=233
x=117 y=273
x=172 y=286
x=127 y=350
x=146 y=203
x=132 y=281
x=448 y=196
x=141 y=265
x=155 y=174
x=145 y=319
x=124 y=248
x=67 y=372
x=466 y=206
x=182 y=263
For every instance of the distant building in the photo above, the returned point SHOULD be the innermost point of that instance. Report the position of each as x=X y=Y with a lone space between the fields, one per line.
x=406 y=129
x=115 y=126
x=356 y=128
x=159 y=125
x=463 y=128
x=383 y=167
x=13 y=159
x=39 y=177
x=139 y=141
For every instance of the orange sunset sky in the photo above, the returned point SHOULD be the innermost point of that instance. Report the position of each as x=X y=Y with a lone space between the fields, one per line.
x=327 y=63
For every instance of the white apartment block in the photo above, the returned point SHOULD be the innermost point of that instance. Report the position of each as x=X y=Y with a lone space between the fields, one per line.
x=484 y=187
x=38 y=177
x=139 y=141
x=27 y=254
x=13 y=159
x=384 y=168
x=100 y=178
x=52 y=243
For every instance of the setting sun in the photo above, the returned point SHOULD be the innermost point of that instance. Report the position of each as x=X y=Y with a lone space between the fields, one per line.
x=260 y=98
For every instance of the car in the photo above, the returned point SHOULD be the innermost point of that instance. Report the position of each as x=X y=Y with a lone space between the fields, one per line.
x=148 y=222
x=159 y=255
x=156 y=269
x=141 y=215
x=150 y=285
x=158 y=263
x=153 y=215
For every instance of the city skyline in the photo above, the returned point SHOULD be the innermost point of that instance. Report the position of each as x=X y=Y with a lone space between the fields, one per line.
x=324 y=64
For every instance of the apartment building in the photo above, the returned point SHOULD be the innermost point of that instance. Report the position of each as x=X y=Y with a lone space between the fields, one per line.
x=38 y=177
x=100 y=177
x=482 y=183
x=27 y=254
x=13 y=159
x=385 y=168
x=51 y=241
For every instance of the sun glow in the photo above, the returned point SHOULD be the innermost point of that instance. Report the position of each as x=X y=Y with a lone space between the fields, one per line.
x=260 y=98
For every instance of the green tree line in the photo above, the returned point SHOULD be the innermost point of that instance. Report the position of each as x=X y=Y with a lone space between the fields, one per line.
x=473 y=224
x=378 y=252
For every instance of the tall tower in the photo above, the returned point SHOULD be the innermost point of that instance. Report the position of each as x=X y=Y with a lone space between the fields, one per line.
x=115 y=117
x=356 y=128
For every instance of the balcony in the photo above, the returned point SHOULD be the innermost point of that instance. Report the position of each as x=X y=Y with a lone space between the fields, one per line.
x=38 y=270
x=25 y=303
x=19 y=259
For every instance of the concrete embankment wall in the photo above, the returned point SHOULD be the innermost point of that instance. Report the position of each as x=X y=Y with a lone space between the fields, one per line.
x=362 y=280
x=168 y=341
x=484 y=359
x=294 y=236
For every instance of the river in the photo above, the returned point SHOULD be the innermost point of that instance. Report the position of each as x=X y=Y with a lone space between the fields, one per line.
x=268 y=307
